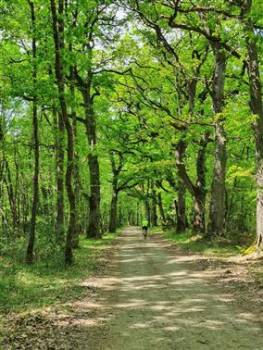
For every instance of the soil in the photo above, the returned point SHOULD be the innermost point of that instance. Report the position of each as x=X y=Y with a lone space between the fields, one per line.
x=153 y=296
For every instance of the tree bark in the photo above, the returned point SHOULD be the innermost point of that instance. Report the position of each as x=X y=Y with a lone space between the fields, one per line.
x=161 y=209
x=2 y=138
x=147 y=203
x=35 y=200
x=93 y=162
x=138 y=213
x=77 y=182
x=11 y=194
x=113 y=211
x=59 y=142
x=94 y=201
x=154 y=215
x=181 y=221
x=58 y=30
x=200 y=197
x=17 y=187
x=147 y=210
x=217 y=204
x=116 y=169
x=185 y=182
x=197 y=190
x=257 y=109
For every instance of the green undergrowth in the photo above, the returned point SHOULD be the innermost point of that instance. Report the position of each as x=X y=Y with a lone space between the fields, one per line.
x=26 y=288
x=222 y=247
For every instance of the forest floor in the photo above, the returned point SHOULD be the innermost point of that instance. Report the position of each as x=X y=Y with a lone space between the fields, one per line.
x=150 y=294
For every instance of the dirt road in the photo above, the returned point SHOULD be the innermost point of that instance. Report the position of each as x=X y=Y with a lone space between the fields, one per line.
x=150 y=297
x=153 y=299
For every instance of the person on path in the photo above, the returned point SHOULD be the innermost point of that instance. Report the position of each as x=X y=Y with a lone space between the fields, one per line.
x=145 y=228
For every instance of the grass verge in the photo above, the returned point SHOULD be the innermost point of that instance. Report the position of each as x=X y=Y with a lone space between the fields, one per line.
x=27 y=288
x=221 y=247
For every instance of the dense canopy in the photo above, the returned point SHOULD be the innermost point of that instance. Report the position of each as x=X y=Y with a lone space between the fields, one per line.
x=112 y=112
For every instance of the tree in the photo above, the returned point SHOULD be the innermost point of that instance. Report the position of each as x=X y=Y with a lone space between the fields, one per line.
x=31 y=240
x=58 y=32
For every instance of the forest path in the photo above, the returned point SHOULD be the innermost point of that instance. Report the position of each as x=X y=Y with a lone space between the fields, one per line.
x=153 y=298
x=150 y=295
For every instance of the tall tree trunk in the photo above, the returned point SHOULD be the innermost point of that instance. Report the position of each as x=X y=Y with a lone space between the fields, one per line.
x=121 y=216
x=93 y=162
x=2 y=138
x=183 y=182
x=161 y=209
x=76 y=159
x=197 y=190
x=147 y=203
x=147 y=210
x=138 y=213
x=17 y=217
x=77 y=180
x=257 y=109
x=199 y=200
x=94 y=201
x=217 y=204
x=35 y=201
x=113 y=211
x=11 y=194
x=154 y=215
x=59 y=142
x=58 y=30
x=181 y=221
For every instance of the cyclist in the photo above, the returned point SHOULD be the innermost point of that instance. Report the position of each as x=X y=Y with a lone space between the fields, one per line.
x=145 y=228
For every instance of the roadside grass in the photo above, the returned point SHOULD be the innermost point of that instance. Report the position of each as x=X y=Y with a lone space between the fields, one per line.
x=240 y=246
x=27 y=288
x=221 y=247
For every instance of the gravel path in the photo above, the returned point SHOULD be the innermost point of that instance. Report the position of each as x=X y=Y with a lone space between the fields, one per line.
x=154 y=299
